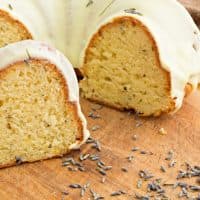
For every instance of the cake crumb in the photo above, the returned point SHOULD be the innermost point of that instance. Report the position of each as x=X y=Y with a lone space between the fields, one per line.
x=162 y=131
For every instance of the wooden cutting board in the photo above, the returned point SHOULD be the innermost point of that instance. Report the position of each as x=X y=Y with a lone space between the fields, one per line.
x=118 y=134
x=46 y=180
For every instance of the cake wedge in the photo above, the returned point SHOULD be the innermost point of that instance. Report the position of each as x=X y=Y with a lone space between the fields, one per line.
x=40 y=115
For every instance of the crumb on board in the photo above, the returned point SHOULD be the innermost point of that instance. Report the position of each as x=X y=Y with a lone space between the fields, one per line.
x=162 y=131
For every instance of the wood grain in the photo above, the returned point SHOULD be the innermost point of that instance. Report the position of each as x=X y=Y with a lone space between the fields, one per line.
x=46 y=180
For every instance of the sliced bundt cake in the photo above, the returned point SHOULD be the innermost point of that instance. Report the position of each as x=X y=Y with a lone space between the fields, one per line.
x=39 y=104
x=134 y=63
x=11 y=30
x=122 y=69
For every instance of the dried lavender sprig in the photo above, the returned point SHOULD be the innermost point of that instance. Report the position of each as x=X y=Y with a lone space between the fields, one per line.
x=75 y=186
x=78 y=164
x=90 y=140
x=172 y=163
x=10 y=7
x=135 y=149
x=170 y=155
x=191 y=172
x=82 y=169
x=130 y=158
x=95 y=128
x=96 y=107
x=102 y=165
x=83 y=157
x=194 y=188
x=183 y=193
x=72 y=169
x=70 y=160
x=168 y=184
x=97 y=145
x=139 y=197
x=145 y=175
x=139 y=184
x=18 y=160
x=133 y=11
x=101 y=171
x=64 y=164
x=162 y=169
x=84 y=188
x=143 y=152
x=107 y=168
x=65 y=193
x=138 y=124
x=94 y=157
x=95 y=195
x=155 y=186
x=118 y=193
x=124 y=169
x=94 y=116
x=103 y=179
x=90 y=2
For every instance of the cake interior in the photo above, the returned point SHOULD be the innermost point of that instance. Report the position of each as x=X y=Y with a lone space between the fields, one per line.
x=122 y=69
x=11 y=30
x=37 y=120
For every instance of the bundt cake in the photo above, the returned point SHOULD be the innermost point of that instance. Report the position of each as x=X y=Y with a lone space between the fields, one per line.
x=142 y=59
x=134 y=54
x=40 y=113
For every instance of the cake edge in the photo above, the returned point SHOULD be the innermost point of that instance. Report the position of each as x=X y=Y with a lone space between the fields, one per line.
x=35 y=50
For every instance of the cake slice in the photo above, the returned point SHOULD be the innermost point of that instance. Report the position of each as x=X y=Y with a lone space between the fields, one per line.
x=11 y=29
x=122 y=68
x=40 y=115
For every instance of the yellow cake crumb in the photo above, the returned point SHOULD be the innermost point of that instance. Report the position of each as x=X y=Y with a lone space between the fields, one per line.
x=37 y=120
x=11 y=30
x=122 y=70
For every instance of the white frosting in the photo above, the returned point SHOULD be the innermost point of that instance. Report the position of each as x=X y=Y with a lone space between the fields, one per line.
x=69 y=24
x=175 y=34
x=22 y=50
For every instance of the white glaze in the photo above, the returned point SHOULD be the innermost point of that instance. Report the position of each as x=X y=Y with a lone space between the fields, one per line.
x=21 y=51
x=174 y=35
x=69 y=25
